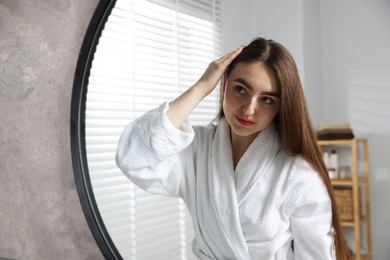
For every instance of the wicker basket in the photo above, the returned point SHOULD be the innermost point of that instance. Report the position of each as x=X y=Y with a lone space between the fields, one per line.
x=344 y=201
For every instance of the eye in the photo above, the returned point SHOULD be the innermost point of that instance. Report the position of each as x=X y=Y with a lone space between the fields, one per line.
x=267 y=100
x=240 y=90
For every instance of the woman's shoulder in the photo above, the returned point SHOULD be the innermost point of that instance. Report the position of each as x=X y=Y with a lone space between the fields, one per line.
x=205 y=131
x=298 y=168
x=303 y=179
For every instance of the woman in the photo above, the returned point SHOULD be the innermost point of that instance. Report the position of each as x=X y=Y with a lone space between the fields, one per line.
x=254 y=182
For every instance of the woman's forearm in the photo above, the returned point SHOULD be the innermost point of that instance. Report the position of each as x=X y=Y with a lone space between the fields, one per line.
x=182 y=107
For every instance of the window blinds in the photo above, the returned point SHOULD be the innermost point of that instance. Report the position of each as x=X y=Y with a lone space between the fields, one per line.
x=149 y=52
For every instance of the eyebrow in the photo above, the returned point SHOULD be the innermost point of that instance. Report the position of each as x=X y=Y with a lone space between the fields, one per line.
x=249 y=86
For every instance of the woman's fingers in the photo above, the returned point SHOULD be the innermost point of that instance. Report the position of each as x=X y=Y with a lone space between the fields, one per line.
x=229 y=57
x=222 y=63
x=216 y=69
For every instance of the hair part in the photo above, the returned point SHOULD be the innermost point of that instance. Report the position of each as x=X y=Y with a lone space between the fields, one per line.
x=293 y=121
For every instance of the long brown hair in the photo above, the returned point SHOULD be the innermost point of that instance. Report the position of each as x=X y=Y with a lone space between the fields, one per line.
x=292 y=122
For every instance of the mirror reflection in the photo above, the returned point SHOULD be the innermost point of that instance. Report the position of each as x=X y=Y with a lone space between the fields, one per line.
x=152 y=51
x=149 y=52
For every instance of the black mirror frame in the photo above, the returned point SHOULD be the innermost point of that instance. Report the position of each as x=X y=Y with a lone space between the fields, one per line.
x=77 y=130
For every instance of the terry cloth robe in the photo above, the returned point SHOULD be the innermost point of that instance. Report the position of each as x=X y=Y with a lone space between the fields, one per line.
x=252 y=212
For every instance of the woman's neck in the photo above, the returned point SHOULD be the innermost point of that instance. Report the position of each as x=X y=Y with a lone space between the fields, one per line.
x=239 y=145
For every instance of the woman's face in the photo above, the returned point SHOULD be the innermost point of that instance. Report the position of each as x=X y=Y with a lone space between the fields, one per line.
x=251 y=99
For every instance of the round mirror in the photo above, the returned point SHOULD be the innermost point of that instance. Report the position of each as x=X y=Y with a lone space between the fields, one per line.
x=136 y=55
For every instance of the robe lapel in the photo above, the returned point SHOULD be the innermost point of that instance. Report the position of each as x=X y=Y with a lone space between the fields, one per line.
x=222 y=190
x=225 y=190
x=256 y=161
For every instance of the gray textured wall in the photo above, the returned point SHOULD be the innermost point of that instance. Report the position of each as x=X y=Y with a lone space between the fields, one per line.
x=40 y=211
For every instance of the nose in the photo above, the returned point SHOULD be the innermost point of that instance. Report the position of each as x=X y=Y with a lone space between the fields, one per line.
x=249 y=107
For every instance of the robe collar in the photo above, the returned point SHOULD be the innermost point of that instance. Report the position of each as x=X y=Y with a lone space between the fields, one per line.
x=228 y=187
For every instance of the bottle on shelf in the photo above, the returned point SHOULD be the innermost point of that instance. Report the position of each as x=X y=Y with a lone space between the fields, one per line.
x=331 y=163
x=345 y=172
x=334 y=164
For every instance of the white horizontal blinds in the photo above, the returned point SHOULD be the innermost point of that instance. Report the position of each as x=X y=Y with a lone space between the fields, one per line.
x=149 y=52
x=198 y=42
x=197 y=35
x=154 y=55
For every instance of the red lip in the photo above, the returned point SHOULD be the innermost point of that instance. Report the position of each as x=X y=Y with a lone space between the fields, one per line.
x=244 y=122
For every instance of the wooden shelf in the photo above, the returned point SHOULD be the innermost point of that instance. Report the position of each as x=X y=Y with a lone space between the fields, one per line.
x=362 y=219
x=362 y=257
x=340 y=141
x=358 y=183
x=347 y=182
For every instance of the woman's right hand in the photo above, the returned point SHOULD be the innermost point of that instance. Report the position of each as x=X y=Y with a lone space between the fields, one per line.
x=214 y=72
x=182 y=107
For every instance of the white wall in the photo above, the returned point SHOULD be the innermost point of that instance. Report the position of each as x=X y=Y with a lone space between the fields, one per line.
x=282 y=21
x=237 y=23
x=278 y=20
x=312 y=47
x=355 y=68
x=342 y=49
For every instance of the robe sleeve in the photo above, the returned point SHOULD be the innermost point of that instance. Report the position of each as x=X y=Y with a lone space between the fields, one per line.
x=311 y=219
x=150 y=152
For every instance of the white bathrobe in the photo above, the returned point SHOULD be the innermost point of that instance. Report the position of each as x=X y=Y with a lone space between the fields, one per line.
x=252 y=212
